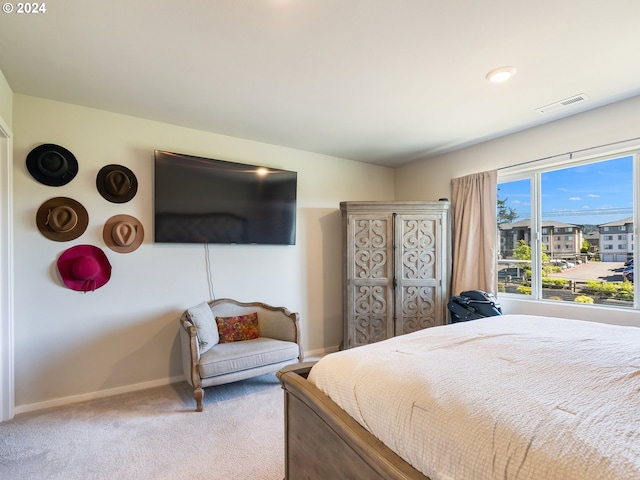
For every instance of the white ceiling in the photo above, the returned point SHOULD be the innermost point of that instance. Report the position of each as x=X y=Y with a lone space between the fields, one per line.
x=380 y=81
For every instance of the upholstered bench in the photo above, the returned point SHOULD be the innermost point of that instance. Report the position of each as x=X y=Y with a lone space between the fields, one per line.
x=225 y=341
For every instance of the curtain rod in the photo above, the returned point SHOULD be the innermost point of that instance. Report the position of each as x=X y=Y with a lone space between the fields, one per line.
x=570 y=153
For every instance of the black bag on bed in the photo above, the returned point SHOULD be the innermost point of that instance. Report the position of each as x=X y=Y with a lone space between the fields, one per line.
x=473 y=304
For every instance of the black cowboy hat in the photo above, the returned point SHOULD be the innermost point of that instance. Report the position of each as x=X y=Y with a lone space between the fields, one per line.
x=52 y=165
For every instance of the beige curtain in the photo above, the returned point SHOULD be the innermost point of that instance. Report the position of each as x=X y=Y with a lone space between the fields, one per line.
x=474 y=231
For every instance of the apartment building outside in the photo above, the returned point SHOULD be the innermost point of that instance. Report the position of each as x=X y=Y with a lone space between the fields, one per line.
x=561 y=240
x=616 y=240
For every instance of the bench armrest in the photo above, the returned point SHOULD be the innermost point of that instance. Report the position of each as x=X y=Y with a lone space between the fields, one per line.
x=190 y=351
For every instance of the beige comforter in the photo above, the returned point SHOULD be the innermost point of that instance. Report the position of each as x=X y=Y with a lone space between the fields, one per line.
x=510 y=397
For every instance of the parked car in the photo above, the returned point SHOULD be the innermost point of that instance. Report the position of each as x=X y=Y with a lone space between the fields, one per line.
x=558 y=262
x=513 y=272
x=627 y=273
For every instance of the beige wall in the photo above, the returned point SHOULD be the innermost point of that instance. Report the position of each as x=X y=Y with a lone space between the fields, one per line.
x=429 y=179
x=70 y=344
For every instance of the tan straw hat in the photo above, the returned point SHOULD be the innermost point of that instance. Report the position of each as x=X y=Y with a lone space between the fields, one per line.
x=62 y=219
x=123 y=233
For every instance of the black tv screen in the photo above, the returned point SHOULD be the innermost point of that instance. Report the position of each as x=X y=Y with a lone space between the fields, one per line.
x=204 y=200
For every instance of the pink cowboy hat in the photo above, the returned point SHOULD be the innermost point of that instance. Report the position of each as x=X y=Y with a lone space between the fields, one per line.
x=84 y=268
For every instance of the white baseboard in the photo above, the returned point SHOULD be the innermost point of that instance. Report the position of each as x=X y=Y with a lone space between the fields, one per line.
x=58 y=402
x=321 y=352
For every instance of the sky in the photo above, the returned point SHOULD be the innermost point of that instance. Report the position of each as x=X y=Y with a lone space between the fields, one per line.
x=594 y=193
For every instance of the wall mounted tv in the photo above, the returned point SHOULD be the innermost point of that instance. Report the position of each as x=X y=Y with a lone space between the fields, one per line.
x=203 y=200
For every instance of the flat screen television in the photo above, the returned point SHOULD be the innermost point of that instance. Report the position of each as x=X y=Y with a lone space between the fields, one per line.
x=204 y=200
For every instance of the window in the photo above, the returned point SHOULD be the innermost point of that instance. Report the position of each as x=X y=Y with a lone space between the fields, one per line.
x=589 y=199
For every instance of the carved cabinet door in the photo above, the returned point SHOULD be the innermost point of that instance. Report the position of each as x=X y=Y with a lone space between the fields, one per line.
x=369 y=278
x=418 y=301
x=397 y=263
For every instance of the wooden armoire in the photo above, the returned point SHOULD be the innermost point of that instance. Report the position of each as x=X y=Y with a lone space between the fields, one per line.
x=397 y=262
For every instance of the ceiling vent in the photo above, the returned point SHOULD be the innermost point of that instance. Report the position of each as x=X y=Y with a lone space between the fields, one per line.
x=562 y=103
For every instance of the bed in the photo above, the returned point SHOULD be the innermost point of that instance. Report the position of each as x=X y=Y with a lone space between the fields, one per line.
x=508 y=397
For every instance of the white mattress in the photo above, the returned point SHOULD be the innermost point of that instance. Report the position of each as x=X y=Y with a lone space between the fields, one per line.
x=509 y=397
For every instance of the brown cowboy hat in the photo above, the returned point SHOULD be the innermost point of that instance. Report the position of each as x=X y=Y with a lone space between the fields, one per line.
x=117 y=183
x=84 y=268
x=123 y=233
x=52 y=165
x=62 y=219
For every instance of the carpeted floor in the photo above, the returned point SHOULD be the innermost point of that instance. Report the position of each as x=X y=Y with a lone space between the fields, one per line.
x=152 y=434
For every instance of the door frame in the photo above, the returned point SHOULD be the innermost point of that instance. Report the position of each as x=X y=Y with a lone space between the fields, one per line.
x=7 y=385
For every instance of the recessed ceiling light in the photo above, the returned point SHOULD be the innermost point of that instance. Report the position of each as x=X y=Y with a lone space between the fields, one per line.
x=501 y=74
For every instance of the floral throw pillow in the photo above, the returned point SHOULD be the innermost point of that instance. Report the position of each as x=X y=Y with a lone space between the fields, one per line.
x=241 y=327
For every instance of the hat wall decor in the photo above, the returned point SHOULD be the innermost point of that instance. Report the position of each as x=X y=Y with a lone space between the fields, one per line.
x=84 y=268
x=123 y=233
x=116 y=183
x=62 y=219
x=52 y=165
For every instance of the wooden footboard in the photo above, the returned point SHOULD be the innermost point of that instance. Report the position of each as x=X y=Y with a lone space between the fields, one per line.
x=323 y=442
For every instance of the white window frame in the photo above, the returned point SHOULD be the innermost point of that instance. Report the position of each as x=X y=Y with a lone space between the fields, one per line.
x=533 y=172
